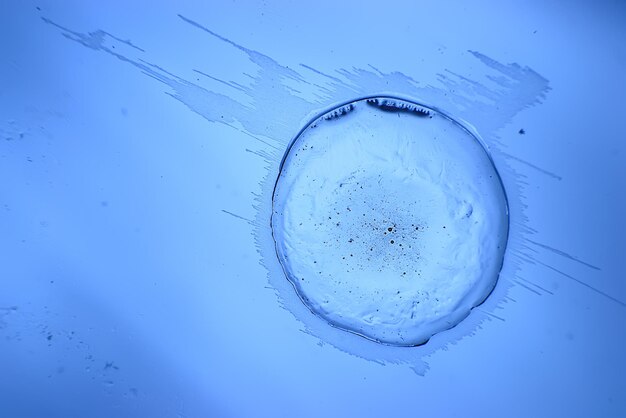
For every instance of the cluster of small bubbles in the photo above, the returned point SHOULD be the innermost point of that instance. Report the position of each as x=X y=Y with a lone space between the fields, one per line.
x=337 y=113
x=395 y=106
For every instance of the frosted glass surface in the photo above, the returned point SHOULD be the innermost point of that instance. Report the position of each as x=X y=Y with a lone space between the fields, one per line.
x=390 y=220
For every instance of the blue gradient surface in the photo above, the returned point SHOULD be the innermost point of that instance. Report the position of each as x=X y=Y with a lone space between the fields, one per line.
x=139 y=144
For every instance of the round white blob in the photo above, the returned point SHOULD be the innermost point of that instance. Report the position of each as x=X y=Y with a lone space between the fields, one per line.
x=390 y=220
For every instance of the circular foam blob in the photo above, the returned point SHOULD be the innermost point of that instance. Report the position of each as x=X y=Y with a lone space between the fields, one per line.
x=389 y=219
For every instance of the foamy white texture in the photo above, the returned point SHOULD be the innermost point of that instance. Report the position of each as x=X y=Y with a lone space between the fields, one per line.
x=347 y=180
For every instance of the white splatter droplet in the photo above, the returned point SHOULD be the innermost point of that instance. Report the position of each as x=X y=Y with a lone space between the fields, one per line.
x=390 y=220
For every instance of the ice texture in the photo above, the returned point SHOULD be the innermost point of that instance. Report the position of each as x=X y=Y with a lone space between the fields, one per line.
x=390 y=220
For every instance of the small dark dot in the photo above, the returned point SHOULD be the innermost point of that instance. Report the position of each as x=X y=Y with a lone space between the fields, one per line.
x=392 y=241
x=389 y=229
x=521 y=131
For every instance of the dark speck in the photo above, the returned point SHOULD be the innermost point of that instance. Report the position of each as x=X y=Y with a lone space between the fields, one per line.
x=521 y=131
x=110 y=365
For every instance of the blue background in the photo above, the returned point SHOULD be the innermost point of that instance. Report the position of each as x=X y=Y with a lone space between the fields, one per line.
x=128 y=289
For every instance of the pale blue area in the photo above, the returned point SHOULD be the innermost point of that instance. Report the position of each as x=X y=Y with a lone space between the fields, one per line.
x=127 y=291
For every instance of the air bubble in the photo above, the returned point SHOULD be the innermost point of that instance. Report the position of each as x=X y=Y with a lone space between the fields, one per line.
x=381 y=171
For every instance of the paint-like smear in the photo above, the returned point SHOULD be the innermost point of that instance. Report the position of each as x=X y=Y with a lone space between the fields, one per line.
x=278 y=101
